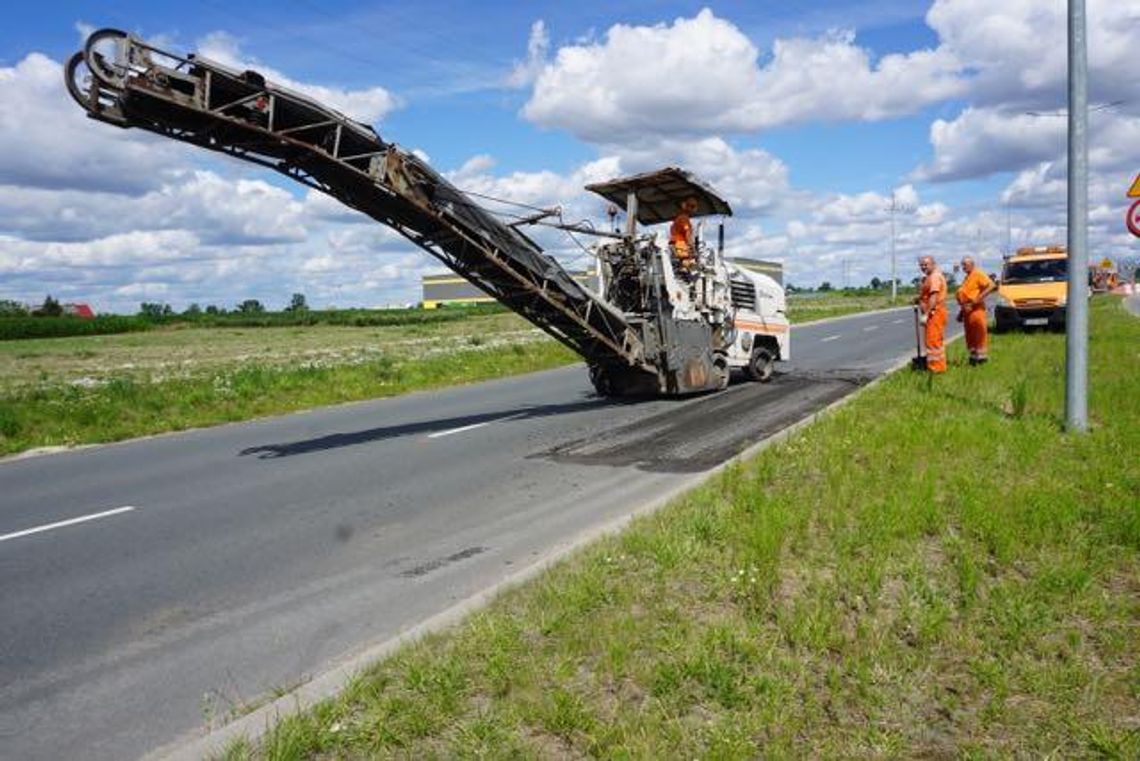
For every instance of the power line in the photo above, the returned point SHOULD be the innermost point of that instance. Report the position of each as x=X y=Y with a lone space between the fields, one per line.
x=1091 y=110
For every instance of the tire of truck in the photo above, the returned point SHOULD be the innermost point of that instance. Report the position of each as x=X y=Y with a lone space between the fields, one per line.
x=761 y=365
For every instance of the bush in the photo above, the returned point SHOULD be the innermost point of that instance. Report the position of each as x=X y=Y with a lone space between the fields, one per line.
x=15 y=328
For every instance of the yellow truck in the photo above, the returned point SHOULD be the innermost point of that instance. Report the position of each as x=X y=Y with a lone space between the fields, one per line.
x=1033 y=290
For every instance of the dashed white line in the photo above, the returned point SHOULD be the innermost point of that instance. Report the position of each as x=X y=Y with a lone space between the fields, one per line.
x=897 y=322
x=473 y=426
x=870 y=327
x=829 y=338
x=69 y=522
x=461 y=429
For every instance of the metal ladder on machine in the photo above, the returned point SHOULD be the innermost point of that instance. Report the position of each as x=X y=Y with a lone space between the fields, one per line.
x=192 y=99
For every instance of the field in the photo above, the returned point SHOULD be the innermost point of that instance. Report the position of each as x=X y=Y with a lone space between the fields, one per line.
x=67 y=391
x=935 y=570
x=181 y=351
x=805 y=307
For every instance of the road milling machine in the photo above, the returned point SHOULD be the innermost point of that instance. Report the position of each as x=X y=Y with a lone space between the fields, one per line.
x=652 y=327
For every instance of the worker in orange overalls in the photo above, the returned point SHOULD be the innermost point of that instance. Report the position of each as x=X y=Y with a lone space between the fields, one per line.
x=931 y=302
x=681 y=234
x=971 y=296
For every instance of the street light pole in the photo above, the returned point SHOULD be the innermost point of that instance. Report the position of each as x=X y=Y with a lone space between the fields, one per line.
x=894 y=276
x=1077 y=316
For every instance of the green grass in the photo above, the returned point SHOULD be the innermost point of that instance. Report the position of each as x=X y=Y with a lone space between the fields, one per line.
x=124 y=407
x=934 y=570
x=806 y=307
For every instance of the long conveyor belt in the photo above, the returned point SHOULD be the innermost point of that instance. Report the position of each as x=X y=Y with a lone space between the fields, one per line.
x=189 y=98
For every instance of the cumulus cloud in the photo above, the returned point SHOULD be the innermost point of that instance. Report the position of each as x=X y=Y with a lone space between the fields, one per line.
x=1017 y=53
x=368 y=105
x=1007 y=59
x=537 y=49
x=703 y=73
x=219 y=210
x=48 y=142
x=116 y=216
x=1017 y=49
x=982 y=141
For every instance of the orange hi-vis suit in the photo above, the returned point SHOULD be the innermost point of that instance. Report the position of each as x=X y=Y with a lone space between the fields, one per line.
x=680 y=235
x=932 y=285
x=974 y=317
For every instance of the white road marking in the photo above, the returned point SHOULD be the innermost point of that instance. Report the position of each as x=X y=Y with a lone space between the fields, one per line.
x=829 y=338
x=870 y=327
x=897 y=322
x=473 y=426
x=461 y=429
x=69 y=522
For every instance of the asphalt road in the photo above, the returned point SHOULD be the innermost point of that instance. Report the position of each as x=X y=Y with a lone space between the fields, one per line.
x=213 y=567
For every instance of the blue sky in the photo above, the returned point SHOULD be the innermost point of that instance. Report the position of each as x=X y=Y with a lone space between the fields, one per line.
x=807 y=115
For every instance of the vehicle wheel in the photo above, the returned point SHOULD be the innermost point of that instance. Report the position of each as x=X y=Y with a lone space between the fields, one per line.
x=601 y=381
x=761 y=365
x=723 y=375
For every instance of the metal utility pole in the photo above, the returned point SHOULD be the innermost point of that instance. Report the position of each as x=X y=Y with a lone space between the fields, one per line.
x=1008 y=229
x=895 y=207
x=1077 y=311
x=894 y=275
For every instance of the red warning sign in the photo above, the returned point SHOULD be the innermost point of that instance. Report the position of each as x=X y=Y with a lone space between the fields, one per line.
x=1133 y=219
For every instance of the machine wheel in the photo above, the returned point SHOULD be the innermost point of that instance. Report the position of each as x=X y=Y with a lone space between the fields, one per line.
x=761 y=366
x=97 y=63
x=602 y=382
x=73 y=80
x=723 y=374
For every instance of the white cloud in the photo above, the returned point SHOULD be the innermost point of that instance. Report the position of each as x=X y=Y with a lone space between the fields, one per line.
x=1017 y=51
x=48 y=142
x=116 y=216
x=702 y=73
x=982 y=141
x=537 y=49
x=751 y=179
x=368 y=105
x=216 y=209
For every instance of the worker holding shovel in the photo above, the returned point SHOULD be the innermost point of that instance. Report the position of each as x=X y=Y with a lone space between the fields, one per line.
x=931 y=302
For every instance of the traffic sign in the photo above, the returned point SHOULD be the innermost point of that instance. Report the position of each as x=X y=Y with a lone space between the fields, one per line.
x=1133 y=219
x=1134 y=191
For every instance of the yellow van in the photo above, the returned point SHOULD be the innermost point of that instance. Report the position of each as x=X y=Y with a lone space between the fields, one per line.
x=1033 y=289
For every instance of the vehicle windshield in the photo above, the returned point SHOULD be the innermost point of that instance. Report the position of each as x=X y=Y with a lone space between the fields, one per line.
x=1038 y=271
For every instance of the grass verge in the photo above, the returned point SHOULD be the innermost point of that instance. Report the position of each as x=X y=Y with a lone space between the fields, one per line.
x=934 y=570
x=807 y=307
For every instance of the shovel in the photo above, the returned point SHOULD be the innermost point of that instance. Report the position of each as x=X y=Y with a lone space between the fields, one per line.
x=918 y=361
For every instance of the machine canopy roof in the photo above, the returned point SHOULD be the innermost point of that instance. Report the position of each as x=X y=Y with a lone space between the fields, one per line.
x=660 y=193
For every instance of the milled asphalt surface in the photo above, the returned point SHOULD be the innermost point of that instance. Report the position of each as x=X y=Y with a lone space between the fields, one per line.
x=258 y=555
